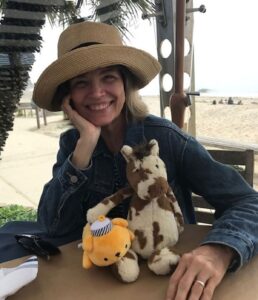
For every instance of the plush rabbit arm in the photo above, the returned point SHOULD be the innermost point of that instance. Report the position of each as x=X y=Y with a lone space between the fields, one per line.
x=104 y=207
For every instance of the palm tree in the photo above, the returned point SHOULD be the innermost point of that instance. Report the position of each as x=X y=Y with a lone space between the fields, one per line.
x=20 y=38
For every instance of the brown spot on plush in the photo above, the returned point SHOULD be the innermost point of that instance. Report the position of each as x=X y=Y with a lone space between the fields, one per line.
x=130 y=255
x=119 y=196
x=154 y=257
x=164 y=203
x=138 y=204
x=179 y=218
x=136 y=176
x=142 y=173
x=142 y=150
x=139 y=234
x=130 y=214
x=157 y=238
x=159 y=187
x=172 y=207
x=171 y=195
x=114 y=269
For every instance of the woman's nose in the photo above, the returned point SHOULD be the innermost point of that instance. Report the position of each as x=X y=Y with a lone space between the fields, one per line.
x=96 y=88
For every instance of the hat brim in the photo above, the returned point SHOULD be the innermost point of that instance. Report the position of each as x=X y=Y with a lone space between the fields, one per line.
x=142 y=65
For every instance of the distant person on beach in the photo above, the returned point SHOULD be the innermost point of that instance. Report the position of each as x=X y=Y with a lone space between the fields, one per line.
x=230 y=101
x=95 y=81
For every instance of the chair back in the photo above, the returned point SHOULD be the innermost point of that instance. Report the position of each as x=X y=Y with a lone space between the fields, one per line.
x=243 y=161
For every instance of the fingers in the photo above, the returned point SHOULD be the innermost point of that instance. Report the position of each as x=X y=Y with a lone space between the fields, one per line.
x=174 y=280
x=66 y=107
x=202 y=289
x=209 y=289
x=72 y=114
x=195 y=278
x=197 y=289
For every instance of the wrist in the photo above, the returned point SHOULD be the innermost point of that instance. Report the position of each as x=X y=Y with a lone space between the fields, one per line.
x=227 y=253
x=79 y=163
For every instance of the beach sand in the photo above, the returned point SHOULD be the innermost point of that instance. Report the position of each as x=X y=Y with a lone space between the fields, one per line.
x=235 y=123
x=27 y=159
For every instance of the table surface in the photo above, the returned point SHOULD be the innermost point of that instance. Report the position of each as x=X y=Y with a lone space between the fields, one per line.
x=64 y=278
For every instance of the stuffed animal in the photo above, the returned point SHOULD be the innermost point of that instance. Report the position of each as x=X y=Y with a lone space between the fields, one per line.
x=106 y=242
x=154 y=215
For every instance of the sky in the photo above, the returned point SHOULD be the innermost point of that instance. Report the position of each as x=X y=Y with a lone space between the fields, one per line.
x=225 y=47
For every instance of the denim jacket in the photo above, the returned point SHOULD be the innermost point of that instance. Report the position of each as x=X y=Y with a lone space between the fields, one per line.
x=190 y=168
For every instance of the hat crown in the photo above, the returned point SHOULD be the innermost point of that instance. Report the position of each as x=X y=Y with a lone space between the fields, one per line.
x=87 y=33
x=101 y=226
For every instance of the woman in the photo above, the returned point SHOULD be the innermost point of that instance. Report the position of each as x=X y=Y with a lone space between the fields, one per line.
x=95 y=81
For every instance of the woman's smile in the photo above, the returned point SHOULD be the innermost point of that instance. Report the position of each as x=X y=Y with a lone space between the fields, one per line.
x=99 y=106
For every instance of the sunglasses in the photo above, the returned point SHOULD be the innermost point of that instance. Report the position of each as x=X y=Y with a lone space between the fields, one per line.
x=35 y=245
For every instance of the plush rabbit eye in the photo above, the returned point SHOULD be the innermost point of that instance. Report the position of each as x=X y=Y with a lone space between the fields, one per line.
x=126 y=246
x=105 y=259
x=157 y=166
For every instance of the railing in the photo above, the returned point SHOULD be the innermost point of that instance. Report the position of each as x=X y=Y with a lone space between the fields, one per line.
x=30 y=107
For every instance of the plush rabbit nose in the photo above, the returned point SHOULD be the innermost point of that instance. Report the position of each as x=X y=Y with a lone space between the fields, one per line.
x=118 y=254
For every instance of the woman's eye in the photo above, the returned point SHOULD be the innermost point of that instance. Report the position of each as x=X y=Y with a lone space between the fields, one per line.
x=109 y=78
x=80 y=84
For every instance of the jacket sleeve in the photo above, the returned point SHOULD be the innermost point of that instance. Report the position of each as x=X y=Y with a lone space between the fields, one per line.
x=60 y=210
x=235 y=202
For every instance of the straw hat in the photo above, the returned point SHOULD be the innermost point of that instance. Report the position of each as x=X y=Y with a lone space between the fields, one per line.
x=85 y=47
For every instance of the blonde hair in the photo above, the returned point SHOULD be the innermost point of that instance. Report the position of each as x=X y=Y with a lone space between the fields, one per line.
x=136 y=109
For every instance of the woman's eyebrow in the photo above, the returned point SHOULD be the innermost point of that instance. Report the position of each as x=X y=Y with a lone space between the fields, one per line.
x=108 y=69
x=79 y=77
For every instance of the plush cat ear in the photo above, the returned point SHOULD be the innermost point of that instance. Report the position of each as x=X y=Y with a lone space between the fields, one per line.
x=127 y=152
x=155 y=147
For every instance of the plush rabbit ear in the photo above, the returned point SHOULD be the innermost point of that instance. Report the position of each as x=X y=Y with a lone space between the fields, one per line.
x=155 y=147
x=127 y=152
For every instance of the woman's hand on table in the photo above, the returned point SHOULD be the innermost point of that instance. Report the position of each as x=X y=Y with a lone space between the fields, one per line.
x=199 y=272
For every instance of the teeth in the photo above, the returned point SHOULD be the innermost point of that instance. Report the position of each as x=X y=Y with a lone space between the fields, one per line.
x=98 y=106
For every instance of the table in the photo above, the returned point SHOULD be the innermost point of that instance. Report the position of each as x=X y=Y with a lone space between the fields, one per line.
x=64 y=278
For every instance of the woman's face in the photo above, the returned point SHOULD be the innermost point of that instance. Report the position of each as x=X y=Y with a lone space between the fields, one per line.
x=99 y=95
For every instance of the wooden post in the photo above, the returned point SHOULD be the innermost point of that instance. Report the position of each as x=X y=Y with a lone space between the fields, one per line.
x=179 y=99
x=44 y=116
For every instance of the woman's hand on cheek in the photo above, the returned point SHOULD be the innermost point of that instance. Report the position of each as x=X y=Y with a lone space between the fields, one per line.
x=199 y=273
x=89 y=135
x=84 y=126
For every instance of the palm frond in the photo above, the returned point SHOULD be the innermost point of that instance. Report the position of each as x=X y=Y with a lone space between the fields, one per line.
x=121 y=13
x=63 y=15
x=2 y=4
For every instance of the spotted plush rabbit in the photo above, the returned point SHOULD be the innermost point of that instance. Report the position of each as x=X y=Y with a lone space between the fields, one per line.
x=154 y=215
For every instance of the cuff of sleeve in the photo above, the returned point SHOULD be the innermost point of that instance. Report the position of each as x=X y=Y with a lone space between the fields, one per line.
x=85 y=169
x=70 y=176
x=242 y=246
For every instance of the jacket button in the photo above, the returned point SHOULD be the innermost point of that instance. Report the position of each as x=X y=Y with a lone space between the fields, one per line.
x=73 y=179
